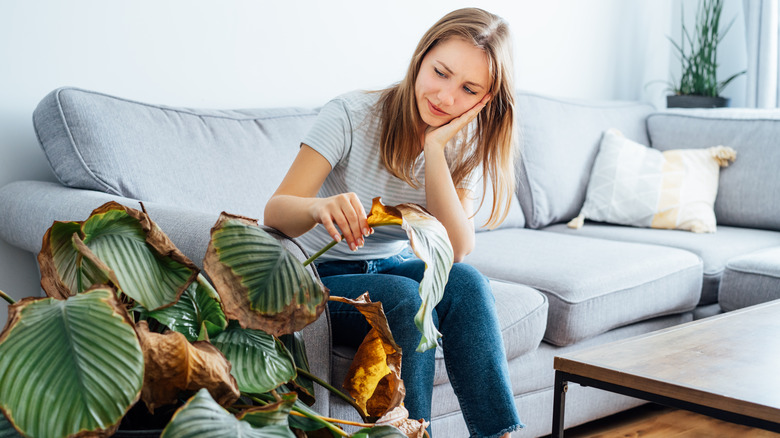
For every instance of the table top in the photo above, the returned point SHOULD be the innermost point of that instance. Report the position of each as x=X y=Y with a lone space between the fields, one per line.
x=729 y=361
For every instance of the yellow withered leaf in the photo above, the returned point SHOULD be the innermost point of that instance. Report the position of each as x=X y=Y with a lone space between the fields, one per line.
x=374 y=378
x=383 y=214
x=172 y=364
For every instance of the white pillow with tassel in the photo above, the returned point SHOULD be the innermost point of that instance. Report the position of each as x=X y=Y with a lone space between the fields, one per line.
x=631 y=184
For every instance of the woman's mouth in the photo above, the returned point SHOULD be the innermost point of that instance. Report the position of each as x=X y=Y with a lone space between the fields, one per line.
x=435 y=110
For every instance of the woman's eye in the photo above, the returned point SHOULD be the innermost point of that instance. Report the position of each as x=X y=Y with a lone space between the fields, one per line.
x=468 y=90
x=440 y=74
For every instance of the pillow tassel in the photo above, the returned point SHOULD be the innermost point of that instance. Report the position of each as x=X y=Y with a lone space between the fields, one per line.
x=577 y=222
x=723 y=155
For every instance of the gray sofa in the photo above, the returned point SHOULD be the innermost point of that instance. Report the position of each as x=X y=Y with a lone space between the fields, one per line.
x=557 y=289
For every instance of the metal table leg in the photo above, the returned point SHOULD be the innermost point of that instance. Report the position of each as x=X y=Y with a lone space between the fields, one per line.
x=559 y=404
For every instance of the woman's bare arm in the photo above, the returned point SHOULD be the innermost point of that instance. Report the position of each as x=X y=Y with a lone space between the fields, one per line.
x=295 y=209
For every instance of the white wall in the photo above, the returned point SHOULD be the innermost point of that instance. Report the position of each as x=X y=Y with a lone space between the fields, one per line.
x=253 y=53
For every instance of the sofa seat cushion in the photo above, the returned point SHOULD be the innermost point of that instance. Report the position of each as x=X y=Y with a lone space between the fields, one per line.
x=522 y=315
x=747 y=192
x=715 y=249
x=751 y=279
x=560 y=140
x=593 y=285
x=200 y=159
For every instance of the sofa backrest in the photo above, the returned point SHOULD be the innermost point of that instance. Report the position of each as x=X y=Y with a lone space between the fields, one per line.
x=748 y=189
x=560 y=140
x=209 y=160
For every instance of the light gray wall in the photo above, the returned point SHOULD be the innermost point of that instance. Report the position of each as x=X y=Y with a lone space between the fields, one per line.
x=253 y=53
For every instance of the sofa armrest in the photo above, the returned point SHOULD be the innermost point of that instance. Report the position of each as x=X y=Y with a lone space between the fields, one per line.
x=30 y=207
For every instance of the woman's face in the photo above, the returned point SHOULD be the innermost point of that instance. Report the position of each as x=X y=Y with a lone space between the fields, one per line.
x=453 y=77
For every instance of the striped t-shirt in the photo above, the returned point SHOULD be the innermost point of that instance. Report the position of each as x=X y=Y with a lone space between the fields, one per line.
x=346 y=133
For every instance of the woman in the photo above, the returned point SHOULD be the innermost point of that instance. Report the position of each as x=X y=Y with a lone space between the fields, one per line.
x=426 y=140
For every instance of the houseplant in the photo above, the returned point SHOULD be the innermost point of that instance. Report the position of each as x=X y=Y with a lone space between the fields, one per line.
x=698 y=85
x=132 y=322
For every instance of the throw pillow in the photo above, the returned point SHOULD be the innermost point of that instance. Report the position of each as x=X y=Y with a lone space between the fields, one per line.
x=631 y=184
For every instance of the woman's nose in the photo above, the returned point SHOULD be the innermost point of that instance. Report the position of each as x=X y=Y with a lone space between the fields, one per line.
x=446 y=97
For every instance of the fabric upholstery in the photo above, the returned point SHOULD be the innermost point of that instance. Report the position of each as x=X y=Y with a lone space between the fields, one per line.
x=587 y=295
x=715 y=250
x=748 y=190
x=200 y=159
x=751 y=279
x=560 y=139
x=632 y=184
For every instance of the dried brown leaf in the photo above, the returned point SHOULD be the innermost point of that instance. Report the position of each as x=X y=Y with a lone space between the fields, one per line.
x=374 y=378
x=298 y=306
x=399 y=418
x=173 y=364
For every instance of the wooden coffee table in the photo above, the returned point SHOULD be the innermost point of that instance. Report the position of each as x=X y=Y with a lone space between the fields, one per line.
x=726 y=366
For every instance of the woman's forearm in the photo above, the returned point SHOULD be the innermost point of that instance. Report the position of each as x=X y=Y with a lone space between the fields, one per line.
x=289 y=214
x=443 y=202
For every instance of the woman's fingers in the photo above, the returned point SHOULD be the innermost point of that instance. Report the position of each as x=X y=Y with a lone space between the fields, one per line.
x=345 y=212
x=444 y=134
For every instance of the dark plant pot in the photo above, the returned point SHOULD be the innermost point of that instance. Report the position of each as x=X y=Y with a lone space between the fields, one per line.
x=139 y=423
x=691 y=101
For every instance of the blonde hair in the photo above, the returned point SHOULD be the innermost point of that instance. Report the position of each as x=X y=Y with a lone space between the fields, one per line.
x=492 y=142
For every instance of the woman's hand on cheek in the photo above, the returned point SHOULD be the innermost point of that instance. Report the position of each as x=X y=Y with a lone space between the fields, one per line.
x=345 y=212
x=439 y=137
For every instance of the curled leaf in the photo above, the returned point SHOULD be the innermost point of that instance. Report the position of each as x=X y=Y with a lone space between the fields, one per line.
x=399 y=418
x=173 y=365
x=374 y=377
x=262 y=285
x=142 y=261
x=382 y=214
x=431 y=244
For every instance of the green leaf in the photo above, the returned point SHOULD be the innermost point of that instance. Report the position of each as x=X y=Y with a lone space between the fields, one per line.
x=116 y=245
x=202 y=417
x=430 y=243
x=272 y=414
x=59 y=374
x=260 y=361
x=153 y=279
x=262 y=284
x=64 y=269
x=198 y=305
x=295 y=345
x=379 y=432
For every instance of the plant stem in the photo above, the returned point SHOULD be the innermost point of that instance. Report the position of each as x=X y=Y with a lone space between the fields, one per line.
x=7 y=298
x=301 y=412
x=336 y=420
x=320 y=420
x=333 y=243
x=321 y=252
x=332 y=389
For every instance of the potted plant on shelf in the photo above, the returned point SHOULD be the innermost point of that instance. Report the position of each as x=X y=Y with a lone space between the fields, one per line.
x=133 y=332
x=698 y=86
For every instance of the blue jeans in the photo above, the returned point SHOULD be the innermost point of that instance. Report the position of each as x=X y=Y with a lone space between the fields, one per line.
x=466 y=317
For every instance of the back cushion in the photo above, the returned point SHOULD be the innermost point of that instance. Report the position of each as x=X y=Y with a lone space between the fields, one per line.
x=749 y=188
x=202 y=159
x=560 y=140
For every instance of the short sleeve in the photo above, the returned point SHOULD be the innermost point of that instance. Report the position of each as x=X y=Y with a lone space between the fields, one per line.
x=331 y=134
